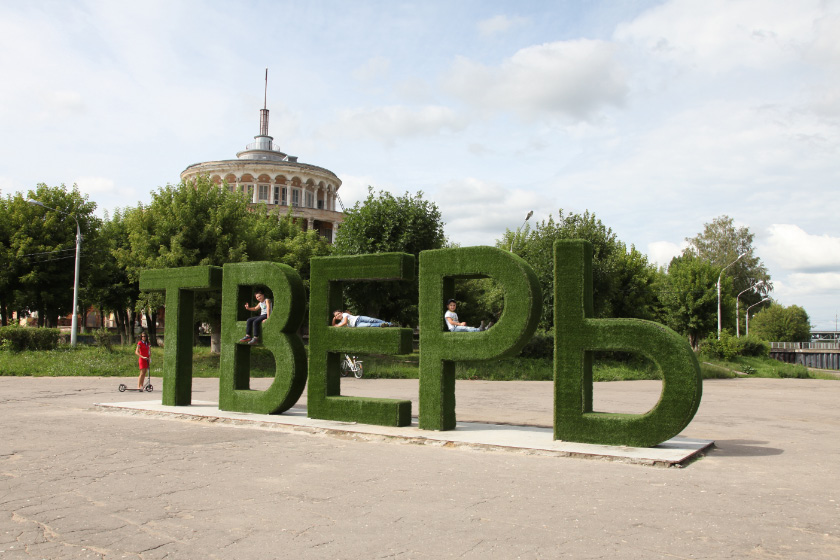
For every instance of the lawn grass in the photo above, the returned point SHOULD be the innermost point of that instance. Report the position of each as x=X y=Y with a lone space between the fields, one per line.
x=121 y=362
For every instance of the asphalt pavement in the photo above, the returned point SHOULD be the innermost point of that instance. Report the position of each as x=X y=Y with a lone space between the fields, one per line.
x=76 y=482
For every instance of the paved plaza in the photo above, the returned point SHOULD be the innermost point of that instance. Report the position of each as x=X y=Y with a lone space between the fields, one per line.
x=77 y=482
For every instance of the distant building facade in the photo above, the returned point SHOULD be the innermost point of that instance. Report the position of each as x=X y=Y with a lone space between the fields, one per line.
x=268 y=176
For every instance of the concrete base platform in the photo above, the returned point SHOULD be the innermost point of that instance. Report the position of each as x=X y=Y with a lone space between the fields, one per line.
x=676 y=452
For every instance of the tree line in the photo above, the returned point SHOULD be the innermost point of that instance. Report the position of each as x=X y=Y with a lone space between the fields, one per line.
x=200 y=224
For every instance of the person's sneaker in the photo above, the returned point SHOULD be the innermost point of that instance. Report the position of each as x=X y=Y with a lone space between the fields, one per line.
x=245 y=338
x=490 y=324
x=254 y=341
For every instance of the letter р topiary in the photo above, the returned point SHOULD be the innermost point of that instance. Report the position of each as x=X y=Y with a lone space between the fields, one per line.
x=440 y=349
x=180 y=285
x=327 y=343
x=279 y=336
x=578 y=335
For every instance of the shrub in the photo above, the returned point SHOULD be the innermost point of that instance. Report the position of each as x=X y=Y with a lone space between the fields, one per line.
x=103 y=339
x=753 y=346
x=541 y=345
x=17 y=338
x=725 y=348
x=796 y=372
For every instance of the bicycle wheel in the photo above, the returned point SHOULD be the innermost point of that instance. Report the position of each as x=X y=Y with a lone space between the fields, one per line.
x=345 y=368
x=358 y=371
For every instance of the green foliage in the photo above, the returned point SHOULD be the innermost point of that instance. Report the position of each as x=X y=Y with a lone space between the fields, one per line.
x=279 y=336
x=725 y=348
x=689 y=297
x=541 y=345
x=753 y=346
x=103 y=339
x=327 y=343
x=19 y=339
x=38 y=247
x=777 y=323
x=720 y=243
x=579 y=335
x=796 y=372
x=441 y=348
x=623 y=279
x=385 y=224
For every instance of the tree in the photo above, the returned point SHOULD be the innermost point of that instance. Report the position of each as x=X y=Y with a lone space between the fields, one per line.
x=689 y=297
x=41 y=249
x=623 y=280
x=383 y=224
x=720 y=243
x=777 y=323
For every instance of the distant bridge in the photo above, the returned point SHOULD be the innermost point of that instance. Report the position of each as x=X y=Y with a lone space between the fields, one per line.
x=822 y=352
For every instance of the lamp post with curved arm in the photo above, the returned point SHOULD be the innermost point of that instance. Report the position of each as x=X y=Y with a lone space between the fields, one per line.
x=718 y=288
x=528 y=217
x=737 y=315
x=74 y=322
x=748 y=313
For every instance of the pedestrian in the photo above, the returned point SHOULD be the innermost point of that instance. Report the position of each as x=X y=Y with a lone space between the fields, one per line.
x=142 y=352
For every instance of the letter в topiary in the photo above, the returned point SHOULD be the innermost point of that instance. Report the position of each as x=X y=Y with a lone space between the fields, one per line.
x=578 y=335
x=279 y=335
x=440 y=349
x=327 y=343
x=180 y=285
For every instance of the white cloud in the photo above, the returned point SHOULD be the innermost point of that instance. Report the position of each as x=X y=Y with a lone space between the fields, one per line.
x=572 y=79
x=397 y=121
x=720 y=35
x=478 y=212
x=500 y=24
x=374 y=69
x=661 y=252
x=792 y=248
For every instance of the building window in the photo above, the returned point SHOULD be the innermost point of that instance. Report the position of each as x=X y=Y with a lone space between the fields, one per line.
x=321 y=204
x=295 y=197
x=263 y=192
x=309 y=200
x=283 y=196
x=276 y=195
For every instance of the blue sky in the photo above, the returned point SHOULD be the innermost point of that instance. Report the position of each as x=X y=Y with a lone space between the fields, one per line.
x=657 y=116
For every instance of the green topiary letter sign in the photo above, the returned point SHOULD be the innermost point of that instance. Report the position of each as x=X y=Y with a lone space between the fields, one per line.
x=440 y=349
x=326 y=343
x=180 y=285
x=578 y=335
x=279 y=335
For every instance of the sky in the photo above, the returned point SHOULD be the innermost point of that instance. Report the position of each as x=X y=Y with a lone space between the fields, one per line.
x=658 y=116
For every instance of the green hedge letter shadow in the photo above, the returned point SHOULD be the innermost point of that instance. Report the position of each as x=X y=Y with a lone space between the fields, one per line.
x=578 y=335
x=327 y=343
x=440 y=349
x=180 y=285
x=279 y=335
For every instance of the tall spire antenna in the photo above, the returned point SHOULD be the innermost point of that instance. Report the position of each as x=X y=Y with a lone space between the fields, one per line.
x=264 y=110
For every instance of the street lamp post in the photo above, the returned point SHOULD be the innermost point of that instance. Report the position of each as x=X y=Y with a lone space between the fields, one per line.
x=74 y=322
x=718 y=288
x=748 y=313
x=528 y=217
x=737 y=314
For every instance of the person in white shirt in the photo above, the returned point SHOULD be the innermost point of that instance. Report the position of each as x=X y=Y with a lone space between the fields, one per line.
x=253 y=325
x=345 y=319
x=454 y=325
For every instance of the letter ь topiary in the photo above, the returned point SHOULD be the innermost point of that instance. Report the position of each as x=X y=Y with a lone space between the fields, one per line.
x=180 y=285
x=578 y=335
x=279 y=335
x=327 y=343
x=440 y=349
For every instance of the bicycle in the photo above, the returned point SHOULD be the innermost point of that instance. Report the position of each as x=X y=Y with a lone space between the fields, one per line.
x=351 y=366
